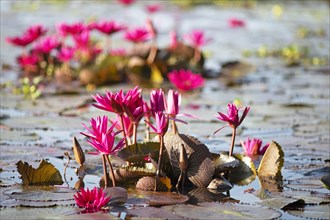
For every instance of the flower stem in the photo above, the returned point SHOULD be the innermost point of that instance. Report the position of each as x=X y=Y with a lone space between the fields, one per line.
x=123 y=127
x=111 y=172
x=108 y=44
x=197 y=55
x=232 y=142
x=152 y=54
x=160 y=154
x=106 y=183
x=134 y=133
x=147 y=130
x=174 y=128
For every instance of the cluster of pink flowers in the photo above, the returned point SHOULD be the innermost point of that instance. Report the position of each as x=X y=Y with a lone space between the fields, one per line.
x=130 y=108
x=185 y=80
x=71 y=48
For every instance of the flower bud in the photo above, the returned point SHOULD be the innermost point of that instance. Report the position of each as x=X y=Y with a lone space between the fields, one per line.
x=79 y=155
x=183 y=162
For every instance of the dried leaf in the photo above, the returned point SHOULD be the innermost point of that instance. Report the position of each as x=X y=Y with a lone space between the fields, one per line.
x=166 y=181
x=200 y=165
x=149 y=183
x=272 y=162
x=46 y=174
x=199 y=195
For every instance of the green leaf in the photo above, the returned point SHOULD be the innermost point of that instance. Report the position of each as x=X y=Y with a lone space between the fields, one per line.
x=272 y=162
x=46 y=174
x=224 y=162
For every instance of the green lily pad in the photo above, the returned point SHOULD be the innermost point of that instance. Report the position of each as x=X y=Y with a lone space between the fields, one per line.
x=151 y=213
x=152 y=198
x=215 y=210
x=312 y=212
x=131 y=152
x=243 y=174
x=42 y=196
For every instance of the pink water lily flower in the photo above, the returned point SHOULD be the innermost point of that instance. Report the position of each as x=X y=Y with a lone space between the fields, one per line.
x=185 y=80
x=153 y=8
x=137 y=35
x=173 y=102
x=27 y=61
x=161 y=123
x=157 y=101
x=117 y=52
x=234 y=23
x=20 y=41
x=29 y=36
x=232 y=117
x=197 y=39
x=126 y=2
x=253 y=147
x=91 y=199
x=111 y=102
x=233 y=120
x=66 y=53
x=133 y=105
x=128 y=126
x=36 y=31
x=75 y=28
x=82 y=39
x=47 y=44
x=102 y=137
x=109 y=27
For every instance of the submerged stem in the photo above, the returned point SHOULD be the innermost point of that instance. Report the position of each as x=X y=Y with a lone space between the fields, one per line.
x=111 y=172
x=232 y=142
